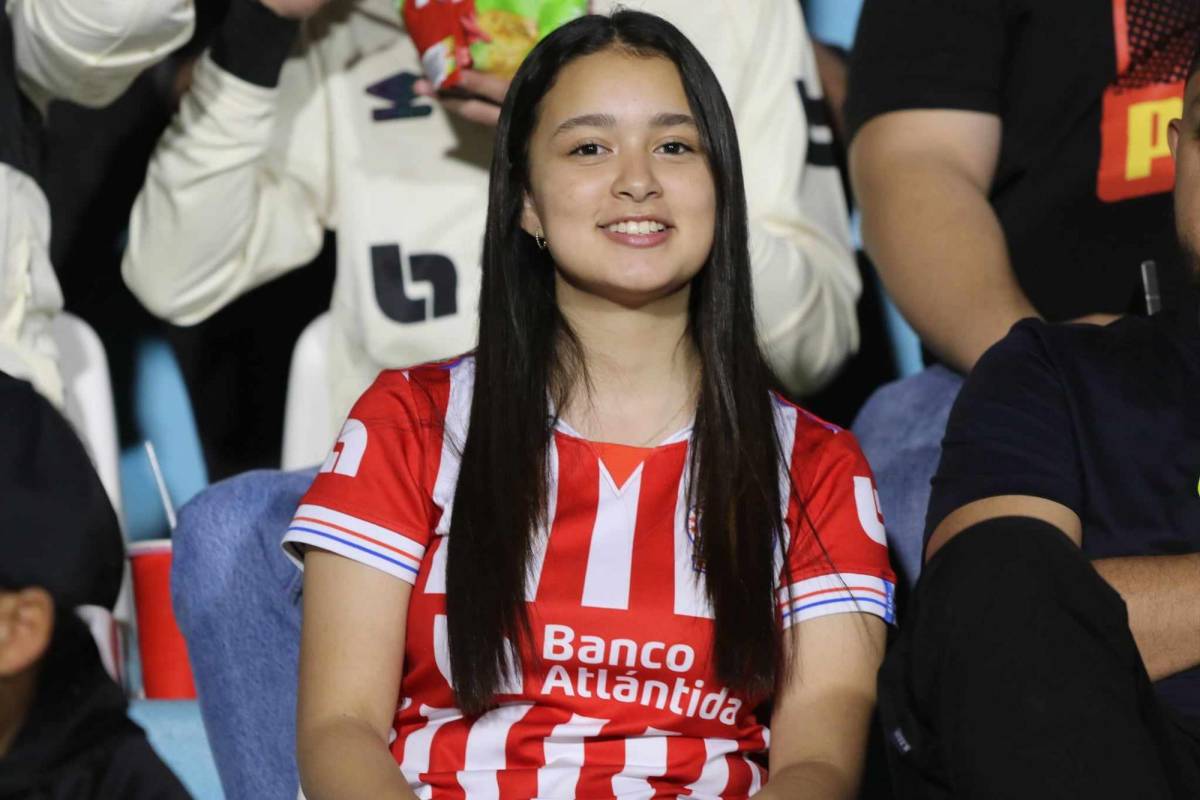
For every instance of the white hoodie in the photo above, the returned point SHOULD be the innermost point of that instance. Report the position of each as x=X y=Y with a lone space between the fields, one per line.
x=88 y=52
x=248 y=176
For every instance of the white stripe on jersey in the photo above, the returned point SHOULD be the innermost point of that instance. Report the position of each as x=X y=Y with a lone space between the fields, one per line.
x=786 y=417
x=645 y=757
x=837 y=593
x=756 y=777
x=690 y=597
x=486 y=751
x=715 y=775
x=610 y=557
x=785 y=429
x=436 y=582
x=454 y=437
x=417 y=746
x=564 y=755
x=338 y=524
x=537 y=555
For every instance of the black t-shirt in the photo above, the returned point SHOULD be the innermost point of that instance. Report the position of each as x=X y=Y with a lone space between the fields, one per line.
x=1105 y=421
x=1084 y=89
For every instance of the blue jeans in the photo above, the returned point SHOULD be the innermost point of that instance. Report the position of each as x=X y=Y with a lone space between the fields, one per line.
x=900 y=429
x=237 y=600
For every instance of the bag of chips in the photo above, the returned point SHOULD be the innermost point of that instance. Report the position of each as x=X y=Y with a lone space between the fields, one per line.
x=491 y=36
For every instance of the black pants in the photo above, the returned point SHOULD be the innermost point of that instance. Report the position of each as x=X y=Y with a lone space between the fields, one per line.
x=1015 y=675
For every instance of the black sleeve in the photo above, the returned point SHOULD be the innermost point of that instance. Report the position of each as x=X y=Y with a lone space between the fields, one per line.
x=253 y=42
x=135 y=772
x=20 y=127
x=908 y=54
x=1010 y=432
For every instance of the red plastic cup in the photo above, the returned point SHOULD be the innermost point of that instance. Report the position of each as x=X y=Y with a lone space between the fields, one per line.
x=166 y=673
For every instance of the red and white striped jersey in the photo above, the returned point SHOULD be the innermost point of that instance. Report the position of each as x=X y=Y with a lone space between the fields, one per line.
x=618 y=697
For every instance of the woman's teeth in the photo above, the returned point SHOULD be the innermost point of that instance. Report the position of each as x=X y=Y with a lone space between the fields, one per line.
x=643 y=227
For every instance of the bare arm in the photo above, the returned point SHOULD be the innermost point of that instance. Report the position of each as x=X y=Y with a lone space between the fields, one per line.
x=922 y=180
x=819 y=728
x=1160 y=592
x=351 y=662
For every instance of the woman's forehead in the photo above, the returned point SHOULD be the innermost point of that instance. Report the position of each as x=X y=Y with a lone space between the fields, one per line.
x=615 y=87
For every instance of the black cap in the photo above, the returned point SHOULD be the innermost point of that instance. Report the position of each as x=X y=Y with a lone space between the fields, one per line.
x=57 y=526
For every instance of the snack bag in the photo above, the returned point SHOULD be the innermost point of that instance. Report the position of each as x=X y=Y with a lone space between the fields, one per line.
x=488 y=35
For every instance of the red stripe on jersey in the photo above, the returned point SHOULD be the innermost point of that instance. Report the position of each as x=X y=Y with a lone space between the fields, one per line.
x=525 y=751
x=574 y=517
x=739 y=777
x=685 y=761
x=603 y=759
x=651 y=589
x=449 y=753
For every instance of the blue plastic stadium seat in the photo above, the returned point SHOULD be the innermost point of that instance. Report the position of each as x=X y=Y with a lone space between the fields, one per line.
x=176 y=733
x=163 y=414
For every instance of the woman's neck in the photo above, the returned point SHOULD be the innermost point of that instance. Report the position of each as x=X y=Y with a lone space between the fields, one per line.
x=642 y=368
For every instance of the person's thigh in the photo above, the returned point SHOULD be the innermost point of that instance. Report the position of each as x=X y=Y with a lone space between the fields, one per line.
x=237 y=599
x=900 y=429
x=1016 y=675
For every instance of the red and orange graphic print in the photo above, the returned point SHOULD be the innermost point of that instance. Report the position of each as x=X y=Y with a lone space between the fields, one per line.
x=1156 y=41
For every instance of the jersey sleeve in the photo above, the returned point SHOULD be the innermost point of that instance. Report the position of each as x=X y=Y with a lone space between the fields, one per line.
x=837 y=561
x=370 y=501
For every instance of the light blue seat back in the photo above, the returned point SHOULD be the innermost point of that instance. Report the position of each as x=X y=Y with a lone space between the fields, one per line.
x=177 y=734
x=163 y=415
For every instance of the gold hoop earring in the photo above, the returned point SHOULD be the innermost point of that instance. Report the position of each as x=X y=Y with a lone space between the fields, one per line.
x=540 y=239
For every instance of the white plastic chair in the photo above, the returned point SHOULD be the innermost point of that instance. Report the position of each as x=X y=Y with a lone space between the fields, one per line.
x=89 y=398
x=306 y=416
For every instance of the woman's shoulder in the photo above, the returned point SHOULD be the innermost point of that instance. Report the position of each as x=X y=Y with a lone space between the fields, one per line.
x=425 y=389
x=810 y=441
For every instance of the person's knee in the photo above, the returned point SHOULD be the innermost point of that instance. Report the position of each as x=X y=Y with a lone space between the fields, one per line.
x=995 y=575
x=228 y=533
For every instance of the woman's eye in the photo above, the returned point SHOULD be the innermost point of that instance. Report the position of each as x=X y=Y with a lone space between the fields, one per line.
x=586 y=149
x=675 y=148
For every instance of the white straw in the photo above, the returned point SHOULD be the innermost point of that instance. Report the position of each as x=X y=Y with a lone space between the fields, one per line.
x=162 y=484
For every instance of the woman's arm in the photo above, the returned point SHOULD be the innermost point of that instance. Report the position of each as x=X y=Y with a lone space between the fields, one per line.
x=819 y=728
x=89 y=52
x=351 y=661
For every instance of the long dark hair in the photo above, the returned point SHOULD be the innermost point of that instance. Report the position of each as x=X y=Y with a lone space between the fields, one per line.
x=528 y=359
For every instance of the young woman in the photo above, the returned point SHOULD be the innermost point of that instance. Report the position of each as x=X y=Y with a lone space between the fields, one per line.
x=577 y=562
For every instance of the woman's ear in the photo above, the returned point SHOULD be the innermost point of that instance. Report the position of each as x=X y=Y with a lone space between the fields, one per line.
x=531 y=223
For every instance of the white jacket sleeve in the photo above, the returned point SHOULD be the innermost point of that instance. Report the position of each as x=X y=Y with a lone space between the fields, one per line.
x=806 y=281
x=89 y=51
x=236 y=193
x=29 y=293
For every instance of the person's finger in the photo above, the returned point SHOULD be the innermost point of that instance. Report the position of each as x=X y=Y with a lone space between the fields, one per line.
x=423 y=87
x=489 y=87
x=480 y=111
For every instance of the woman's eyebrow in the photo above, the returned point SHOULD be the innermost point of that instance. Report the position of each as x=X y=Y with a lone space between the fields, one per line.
x=587 y=121
x=665 y=119
x=668 y=119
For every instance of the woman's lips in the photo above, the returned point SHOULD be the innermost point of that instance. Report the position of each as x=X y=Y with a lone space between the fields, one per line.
x=639 y=239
